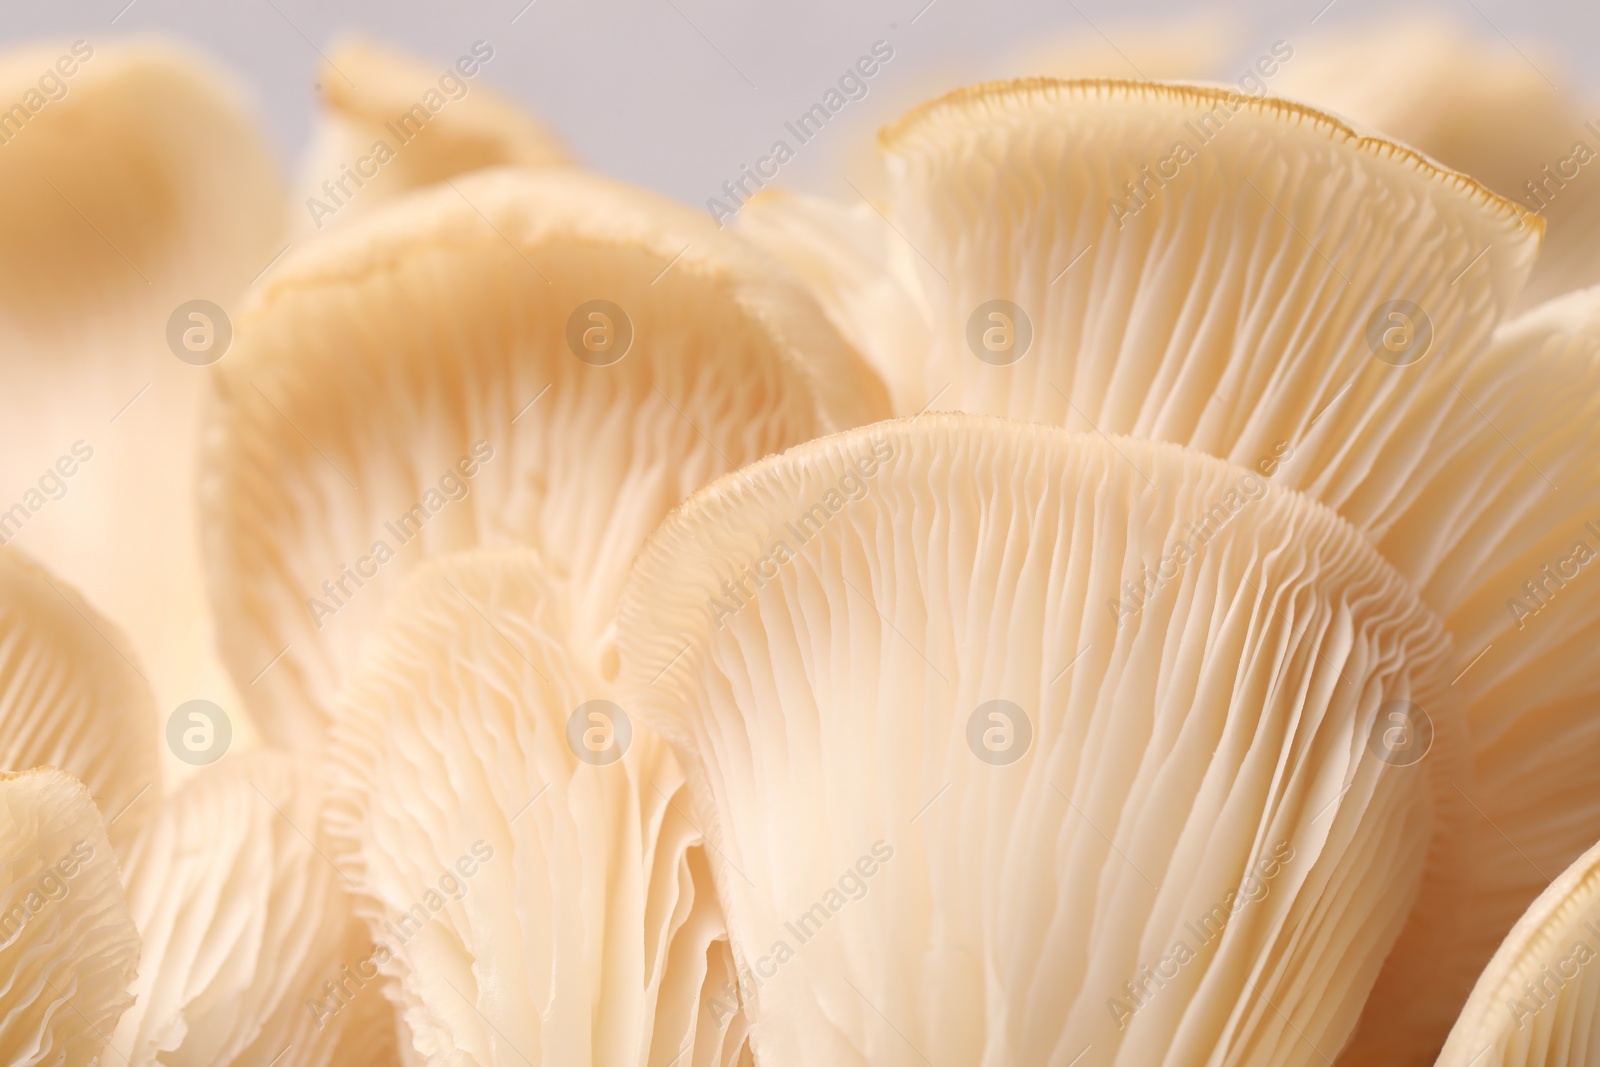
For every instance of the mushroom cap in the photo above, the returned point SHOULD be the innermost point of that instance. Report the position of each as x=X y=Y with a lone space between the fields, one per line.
x=246 y=924
x=389 y=388
x=527 y=851
x=987 y=712
x=72 y=696
x=69 y=948
x=369 y=95
x=1483 y=105
x=1535 y=1002
x=1501 y=542
x=145 y=178
x=1189 y=264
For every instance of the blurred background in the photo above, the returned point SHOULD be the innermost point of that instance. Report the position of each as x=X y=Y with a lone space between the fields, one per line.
x=679 y=94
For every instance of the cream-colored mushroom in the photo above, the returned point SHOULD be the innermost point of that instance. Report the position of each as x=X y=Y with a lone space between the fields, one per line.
x=1501 y=541
x=1189 y=264
x=526 y=851
x=1483 y=104
x=1024 y=746
x=1535 y=1004
x=252 y=950
x=72 y=695
x=68 y=948
x=132 y=172
x=135 y=182
x=540 y=358
x=392 y=122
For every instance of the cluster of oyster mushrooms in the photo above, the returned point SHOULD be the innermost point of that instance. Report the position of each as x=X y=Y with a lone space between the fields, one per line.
x=1120 y=595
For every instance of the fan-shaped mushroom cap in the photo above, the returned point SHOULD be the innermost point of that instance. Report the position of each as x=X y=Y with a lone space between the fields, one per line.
x=527 y=851
x=1502 y=541
x=250 y=941
x=1476 y=102
x=994 y=718
x=72 y=697
x=432 y=120
x=848 y=258
x=68 y=948
x=1192 y=265
x=525 y=357
x=1535 y=1004
x=143 y=185
x=130 y=172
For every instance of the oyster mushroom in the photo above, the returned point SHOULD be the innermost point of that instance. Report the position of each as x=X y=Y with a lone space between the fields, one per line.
x=981 y=794
x=71 y=695
x=68 y=948
x=528 y=853
x=1490 y=108
x=1535 y=1002
x=136 y=182
x=391 y=122
x=1500 y=542
x=543 y=358
x=1185 y=264
x=251 y=946
x=135 y=177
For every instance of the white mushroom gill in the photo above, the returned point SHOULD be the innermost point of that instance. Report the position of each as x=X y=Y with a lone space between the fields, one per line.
x=71 y=695
x=528 y=854
x=68 y=947
x=966 y=813
x=539 y=358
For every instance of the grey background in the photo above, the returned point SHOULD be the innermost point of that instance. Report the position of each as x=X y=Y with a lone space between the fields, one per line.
x=678 y=94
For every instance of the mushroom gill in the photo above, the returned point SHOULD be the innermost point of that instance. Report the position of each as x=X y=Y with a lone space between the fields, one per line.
x=527 y=851
x=69 y=947
x=541 y=358
x=71 y=695
x=1021 y=743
